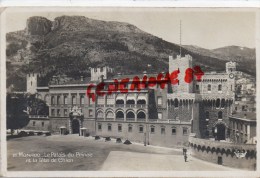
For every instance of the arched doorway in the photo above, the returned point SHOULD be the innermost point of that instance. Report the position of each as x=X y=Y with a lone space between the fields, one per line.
x=75 y=126
x=220 y=131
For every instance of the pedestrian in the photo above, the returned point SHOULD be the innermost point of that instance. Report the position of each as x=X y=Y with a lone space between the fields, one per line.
x=185 y=158
x=184 y=150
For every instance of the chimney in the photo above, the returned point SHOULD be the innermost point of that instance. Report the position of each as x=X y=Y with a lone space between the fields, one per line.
x=81 y=78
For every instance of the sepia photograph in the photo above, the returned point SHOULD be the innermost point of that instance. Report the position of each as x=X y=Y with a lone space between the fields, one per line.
x=130 y=89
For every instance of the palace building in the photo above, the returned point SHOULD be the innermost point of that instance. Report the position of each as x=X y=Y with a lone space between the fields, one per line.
x=154 y=115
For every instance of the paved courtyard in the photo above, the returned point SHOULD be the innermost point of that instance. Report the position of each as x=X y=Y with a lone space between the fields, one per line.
x=71 y=152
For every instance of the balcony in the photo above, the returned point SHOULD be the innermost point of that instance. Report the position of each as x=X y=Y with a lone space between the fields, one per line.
x=119 y=119
x=141 y=105
x=130 y=105
x=120 y=105
x=109 y=119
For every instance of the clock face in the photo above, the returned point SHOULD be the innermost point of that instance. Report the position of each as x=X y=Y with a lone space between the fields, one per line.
x=231 y=76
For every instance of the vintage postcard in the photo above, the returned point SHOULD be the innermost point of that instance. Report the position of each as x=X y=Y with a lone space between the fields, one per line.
x=136 y=91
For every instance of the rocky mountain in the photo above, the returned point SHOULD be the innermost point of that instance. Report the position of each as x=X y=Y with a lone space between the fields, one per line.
x=71 y=44
x=245 y=57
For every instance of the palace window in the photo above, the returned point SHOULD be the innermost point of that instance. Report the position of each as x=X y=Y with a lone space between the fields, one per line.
x=176 y=103
x=99 y=127
x=185 y=131
x=58 y=112
x=223 y=103
x=209 y=87
x=110 y=114
x=159 y=100
x=218 y=103
x=152 y=129
x=65 y=112
x=52 y=100
x=100 y=114
x=119 y=128
x=141 y=129
x=110 y=99
x=173 y=130
x=81 y=99
x=109 y=127
x=219 y=87
x=160 y=115
x=33 y=123
x=207 y=115
x=42 y=124
x=65 y=99
x=220 y=115
x=163 y=130
x=90 y=113
x=91 y=95
x=53 y=112
x=197 y=87
x=58 y=100
x=130 y=128
x=74 y=101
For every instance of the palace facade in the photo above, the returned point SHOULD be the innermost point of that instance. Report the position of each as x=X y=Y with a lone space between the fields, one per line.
x=156 y=116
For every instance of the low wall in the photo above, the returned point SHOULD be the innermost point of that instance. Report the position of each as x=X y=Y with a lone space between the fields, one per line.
x=223 y=153
x=166 y=139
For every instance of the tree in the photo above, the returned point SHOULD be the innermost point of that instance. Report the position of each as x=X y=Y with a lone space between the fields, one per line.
x=37 y=106
x=16 y=105
x=20 y=106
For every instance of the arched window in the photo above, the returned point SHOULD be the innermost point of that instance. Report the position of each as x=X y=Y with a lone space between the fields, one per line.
x=58 y=99
x=173 y=130
x=220 y=115
x=209 y=87
x=100 y=114
x=207 y=115
x=73 y=100
x=65 y=99
x=219 y=87
x=176 y=103
x=218 y=103
x=120 y=101
x=141 y=115
x=119 y=115
x=223 y=103
x=81 y=99
x=46 y=99
x=110 y=114
x=141 y=102
x=130 y=102
x=130 y=115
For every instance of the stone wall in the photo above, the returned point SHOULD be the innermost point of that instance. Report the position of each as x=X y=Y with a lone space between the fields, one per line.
x=212 y=151
x=38 y=124
x=165 y=139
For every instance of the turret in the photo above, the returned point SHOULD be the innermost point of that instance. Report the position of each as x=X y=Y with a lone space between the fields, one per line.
x=100 y=73
x=32 y=80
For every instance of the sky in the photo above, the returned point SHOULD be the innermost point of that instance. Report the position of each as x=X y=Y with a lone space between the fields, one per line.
x=210 y=28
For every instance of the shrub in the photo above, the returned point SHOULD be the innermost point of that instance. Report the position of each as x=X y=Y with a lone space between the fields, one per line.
x=97 y=137
x=107 y=139
x=127 y=142
x=22 y=134
x=118 y=140
x=31 y=133
x=39 y=133
x=47 y=134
